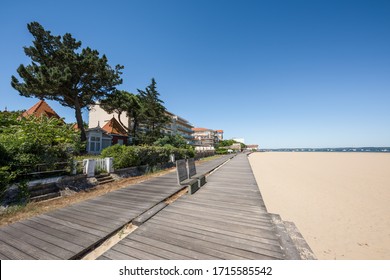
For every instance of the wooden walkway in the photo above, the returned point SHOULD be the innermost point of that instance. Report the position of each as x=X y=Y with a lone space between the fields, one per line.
x=69 y=232
x=225 y=219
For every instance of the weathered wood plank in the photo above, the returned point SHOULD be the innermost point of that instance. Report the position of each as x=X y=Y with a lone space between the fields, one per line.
x=13 y=253
x=188 y=254
x=25 y=243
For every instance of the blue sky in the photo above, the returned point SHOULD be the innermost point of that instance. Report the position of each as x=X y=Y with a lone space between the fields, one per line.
x=277 y=73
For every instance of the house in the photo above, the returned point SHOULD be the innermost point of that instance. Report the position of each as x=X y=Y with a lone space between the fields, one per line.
x=99 y=138
x=254 y=147
x=116 y=130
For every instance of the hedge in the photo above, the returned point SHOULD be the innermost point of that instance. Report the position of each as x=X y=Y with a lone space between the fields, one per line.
x=130 y=156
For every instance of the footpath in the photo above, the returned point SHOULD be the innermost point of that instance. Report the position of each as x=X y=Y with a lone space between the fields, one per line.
x=71 y=232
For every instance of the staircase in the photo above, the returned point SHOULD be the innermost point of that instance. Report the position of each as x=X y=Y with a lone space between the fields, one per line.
x=44 y=192
x=104 y=179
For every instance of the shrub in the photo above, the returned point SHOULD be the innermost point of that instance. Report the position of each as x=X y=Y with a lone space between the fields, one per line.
x=129 y=156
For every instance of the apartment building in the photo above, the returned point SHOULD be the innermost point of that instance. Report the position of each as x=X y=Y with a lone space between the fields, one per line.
x=205 y=137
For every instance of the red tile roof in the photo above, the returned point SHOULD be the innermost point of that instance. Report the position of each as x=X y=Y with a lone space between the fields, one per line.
x=200 y=129
x=220 y=131
x=41 y=109
x=114 y=127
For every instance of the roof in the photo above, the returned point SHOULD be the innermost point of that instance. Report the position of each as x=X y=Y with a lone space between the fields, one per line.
x=114 y=127
x=220 y=131
x=252 y=146
x=41 y=109
x=196 y=129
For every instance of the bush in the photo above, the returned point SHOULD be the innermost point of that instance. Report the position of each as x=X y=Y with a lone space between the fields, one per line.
x=221 y=151
x=130 y=156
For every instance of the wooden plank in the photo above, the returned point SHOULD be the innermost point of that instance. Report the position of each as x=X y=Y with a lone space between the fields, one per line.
x=162 y=254
x=81 y=229
x=113 y=254
x=13 y=253
x=29 y=230
x=136 y=253
x=188 y=254
x=216 y=222
x=183 y=224
x=70 y=234
x=25 y=243
x=225 y=240
x=191 y=243
x=74 y=219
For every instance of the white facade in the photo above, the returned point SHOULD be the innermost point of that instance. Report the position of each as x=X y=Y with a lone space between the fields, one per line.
x=97 y=116
x=240 y=140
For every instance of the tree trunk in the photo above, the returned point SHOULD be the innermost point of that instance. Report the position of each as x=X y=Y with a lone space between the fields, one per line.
x=79 y=119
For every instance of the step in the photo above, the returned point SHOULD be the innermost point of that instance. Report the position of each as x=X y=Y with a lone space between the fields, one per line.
x=106 y=181
x=286 y=243
x=299 y=241
x=44 y=190
x=45 y=197
x=103 y=175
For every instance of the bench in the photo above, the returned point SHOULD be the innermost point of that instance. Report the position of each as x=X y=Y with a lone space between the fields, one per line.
x=182 y=177
x=192 y=172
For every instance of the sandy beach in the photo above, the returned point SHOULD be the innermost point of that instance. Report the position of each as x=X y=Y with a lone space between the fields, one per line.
x=339 y=201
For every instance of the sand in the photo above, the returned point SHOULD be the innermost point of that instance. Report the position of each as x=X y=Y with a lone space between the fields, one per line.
x=340 y=202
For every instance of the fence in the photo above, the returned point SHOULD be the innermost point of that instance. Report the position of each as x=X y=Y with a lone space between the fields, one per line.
x=203 y=154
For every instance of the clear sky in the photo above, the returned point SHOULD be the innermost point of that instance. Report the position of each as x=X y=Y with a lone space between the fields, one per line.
x=278 y=73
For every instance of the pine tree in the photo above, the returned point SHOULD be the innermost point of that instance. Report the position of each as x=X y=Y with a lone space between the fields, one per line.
x=59 y=71
x=154 y=118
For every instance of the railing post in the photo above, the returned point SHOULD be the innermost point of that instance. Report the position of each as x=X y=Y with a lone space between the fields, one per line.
x=74 y=167
x=89 y=167
x=109 y=164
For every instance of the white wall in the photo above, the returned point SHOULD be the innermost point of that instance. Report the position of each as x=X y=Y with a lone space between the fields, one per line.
x=98 y=115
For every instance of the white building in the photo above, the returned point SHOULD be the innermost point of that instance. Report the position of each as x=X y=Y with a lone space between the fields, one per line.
x=240 y=140
x=177 y=125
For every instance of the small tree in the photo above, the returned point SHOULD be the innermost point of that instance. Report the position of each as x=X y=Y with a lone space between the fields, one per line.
x=154 y=118
x=58 y=71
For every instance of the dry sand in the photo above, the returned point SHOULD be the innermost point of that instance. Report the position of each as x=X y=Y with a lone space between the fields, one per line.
x=340 y=202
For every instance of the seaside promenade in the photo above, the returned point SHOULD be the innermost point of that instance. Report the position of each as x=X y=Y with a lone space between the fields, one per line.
x=225 y=219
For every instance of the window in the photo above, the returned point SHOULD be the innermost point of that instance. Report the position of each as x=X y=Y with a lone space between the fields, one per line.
x=94 y=144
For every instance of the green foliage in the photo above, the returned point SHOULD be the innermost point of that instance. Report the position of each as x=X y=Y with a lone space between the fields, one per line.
x=129 y=156
x=174 y=140
x=60 y=71
x=153 y=115
x=227 y=143
x=123 y=102
x=221 y=151
x=34 y=141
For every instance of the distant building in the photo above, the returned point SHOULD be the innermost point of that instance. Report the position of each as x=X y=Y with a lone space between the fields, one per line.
x=240 y=140
x=252 y=147
x=205 y=137
x=177 y=125
x=219 y=134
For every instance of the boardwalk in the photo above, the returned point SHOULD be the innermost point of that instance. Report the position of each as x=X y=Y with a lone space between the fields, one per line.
x=69 y=232
x=226 y=219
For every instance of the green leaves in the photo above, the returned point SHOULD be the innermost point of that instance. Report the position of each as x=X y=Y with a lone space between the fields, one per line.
x=28 y=142
x=60 y=71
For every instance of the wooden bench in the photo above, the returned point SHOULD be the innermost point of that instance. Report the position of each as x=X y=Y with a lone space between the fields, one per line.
x=182 y=177
x=192 y=172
